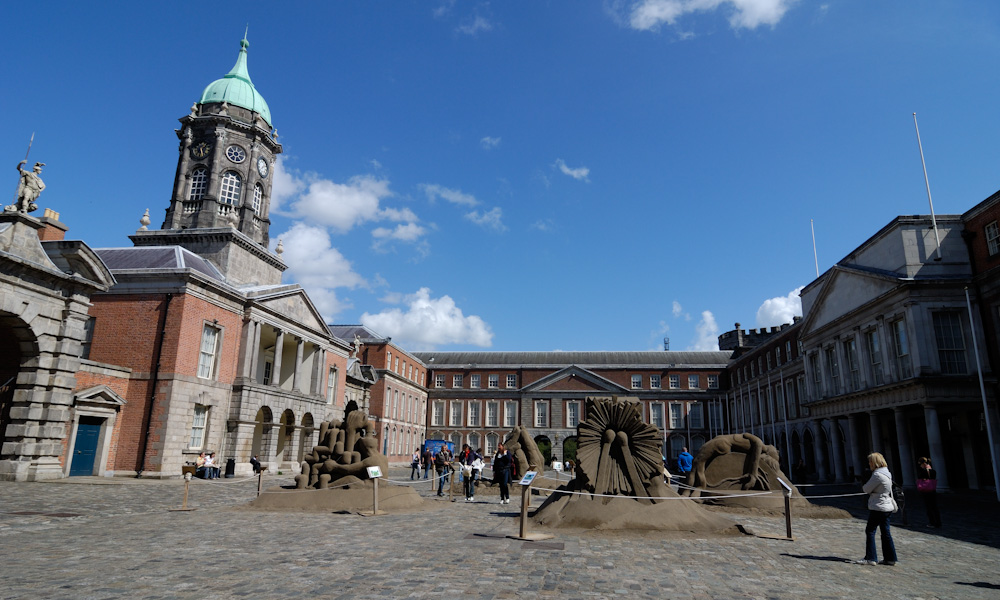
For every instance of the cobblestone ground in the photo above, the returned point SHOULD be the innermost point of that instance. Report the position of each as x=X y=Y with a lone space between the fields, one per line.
x=99 y=538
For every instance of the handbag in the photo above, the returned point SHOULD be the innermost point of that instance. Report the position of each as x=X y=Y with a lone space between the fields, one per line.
x=927 y=485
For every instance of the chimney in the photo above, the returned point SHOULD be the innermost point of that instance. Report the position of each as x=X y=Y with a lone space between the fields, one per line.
x=54 y=230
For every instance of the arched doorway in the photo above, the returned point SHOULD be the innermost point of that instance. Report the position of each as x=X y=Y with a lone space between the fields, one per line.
x=262 y=434
x=825 y=458
x=569 y=448
x=286 y=434
x=807 y=453
x=305 y=438
x=545 y=447
x=14 y=337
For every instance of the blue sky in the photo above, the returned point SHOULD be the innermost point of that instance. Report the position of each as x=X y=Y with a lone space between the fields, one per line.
x=555 y=175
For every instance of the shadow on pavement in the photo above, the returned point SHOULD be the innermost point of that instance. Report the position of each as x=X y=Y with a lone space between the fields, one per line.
x=837 y=559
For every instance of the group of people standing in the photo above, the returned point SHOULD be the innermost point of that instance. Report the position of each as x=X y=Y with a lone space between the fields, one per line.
x=472 y=467
x=882 y=503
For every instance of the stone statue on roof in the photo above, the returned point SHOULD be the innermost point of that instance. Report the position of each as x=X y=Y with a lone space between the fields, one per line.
x=357 y=346
x=28 y=189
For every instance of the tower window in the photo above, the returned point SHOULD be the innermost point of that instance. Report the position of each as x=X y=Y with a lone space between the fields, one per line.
x=230 y=192
x=199 y=179
x=258 y=196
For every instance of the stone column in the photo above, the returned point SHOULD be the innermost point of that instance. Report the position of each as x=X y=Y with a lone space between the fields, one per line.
x=857 y=452
x=819 y=452
x=838 y=467
x=906 y=457
x=934 y=442
x=246 y=350
x=279 y=344
x=255 y=351
x=297 y=372
x=876 y=431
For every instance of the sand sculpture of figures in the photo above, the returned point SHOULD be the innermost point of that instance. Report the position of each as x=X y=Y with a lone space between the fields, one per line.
x=28 y=188
x=618 y=453
x=740 y=461
x=346 y=449
x=524 y=451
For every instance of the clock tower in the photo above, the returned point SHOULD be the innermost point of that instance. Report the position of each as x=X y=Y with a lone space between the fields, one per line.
x=221 y=198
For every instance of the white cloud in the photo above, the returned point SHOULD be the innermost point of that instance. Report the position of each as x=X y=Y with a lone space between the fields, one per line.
x=543 y=225
x=780 y=310
x=488 y=143
x=340 y=205
x=426 y=323
x=284 y=185
x=706 y=334
x=477 y=24
x=743 y=14
x=435 y=191
x=404 y=232
x=579 y=173
x=318 y=266
x=492 y=219
x=677 y=309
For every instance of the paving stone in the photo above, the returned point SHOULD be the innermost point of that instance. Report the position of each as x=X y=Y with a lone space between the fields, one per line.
x=124 y=542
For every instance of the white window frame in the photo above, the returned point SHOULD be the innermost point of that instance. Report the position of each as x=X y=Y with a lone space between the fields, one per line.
x=331 y=386
x=258 y=198
x=493 y=382
x=992 y=238
x=656 y=415
x=199 y=426
x=949 y=340
x=510 y=409
x=455 y=414
x=208 y=356
x=674 y=382
x=637 y=382
x=493 y=414
x=572 y=413
x=199 y=183
x=695 y=380
x=439 y=381
x=713 y=382
x=475 y=413
x=474 y=380
x=541 y=414
x=231 y=189
x=676 y=415
x=654 y=382
x=437 y=413
x=511 y=381
x=456 y=381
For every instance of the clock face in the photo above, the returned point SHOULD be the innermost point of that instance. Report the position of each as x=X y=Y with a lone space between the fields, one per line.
x=262 y=166
x=201 y=150
x=236 y=154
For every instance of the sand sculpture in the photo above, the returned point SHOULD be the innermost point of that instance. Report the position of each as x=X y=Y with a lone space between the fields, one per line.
x=337 y=470
x=620 y=471
x=736 y=467
x=524 y=451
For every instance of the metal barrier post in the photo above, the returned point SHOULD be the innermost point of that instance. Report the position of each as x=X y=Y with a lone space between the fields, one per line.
x=788 y=508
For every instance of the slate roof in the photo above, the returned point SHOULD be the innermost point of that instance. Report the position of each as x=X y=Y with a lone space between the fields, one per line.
x=692 y=360
x=347 y=332
x=156 y=257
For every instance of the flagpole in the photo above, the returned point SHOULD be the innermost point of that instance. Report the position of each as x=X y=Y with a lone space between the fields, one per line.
x=927 y=183
x=815 y=258
x=982 y=391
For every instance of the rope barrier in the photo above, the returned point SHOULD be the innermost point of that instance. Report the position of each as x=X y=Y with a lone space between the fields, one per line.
x=655 y=497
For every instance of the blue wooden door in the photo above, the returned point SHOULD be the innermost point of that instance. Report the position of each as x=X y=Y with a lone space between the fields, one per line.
x=85 y=448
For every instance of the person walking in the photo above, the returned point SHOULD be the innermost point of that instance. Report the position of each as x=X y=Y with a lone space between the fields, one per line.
x=415 y=464
x=440 y=465
x=684 y=462
x=477 y=470
x=501 y=473
x=881 y=505
x=427 y=459
x=927 y=486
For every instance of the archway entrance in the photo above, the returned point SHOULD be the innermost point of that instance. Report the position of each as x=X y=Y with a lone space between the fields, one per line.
x=569 y=449
x=545 y=447
x=11 y=332
x=262 y=434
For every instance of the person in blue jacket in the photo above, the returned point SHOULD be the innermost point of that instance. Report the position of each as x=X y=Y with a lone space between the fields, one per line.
x=684 y=460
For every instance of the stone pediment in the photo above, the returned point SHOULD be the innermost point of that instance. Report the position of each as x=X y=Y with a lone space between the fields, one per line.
x=574 y=379
x=292 y=304
x=100 y=395
x=843 y=290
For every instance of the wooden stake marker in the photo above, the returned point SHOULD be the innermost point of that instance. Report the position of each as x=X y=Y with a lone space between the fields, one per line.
x=523 y=533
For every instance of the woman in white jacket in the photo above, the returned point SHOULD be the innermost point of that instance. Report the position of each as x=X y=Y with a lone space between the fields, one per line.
x=881 y=505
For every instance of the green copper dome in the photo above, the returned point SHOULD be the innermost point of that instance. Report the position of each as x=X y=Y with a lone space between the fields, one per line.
x=237 y=89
